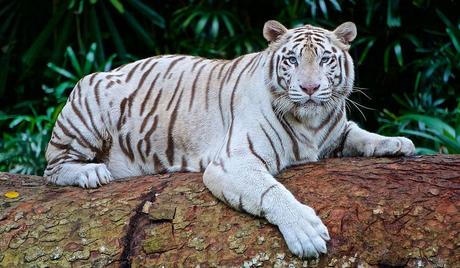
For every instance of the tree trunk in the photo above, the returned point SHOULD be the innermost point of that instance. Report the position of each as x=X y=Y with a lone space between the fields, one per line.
x=379 y=212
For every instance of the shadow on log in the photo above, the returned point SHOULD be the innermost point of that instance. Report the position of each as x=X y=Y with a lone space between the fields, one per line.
x=379 y=211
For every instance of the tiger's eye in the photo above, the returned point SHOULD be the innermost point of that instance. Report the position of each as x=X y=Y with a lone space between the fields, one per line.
x=292 y=60
x=325 y=59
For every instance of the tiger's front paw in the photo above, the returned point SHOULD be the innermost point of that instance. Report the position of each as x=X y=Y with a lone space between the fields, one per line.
x=390 y=146
x=305 y=234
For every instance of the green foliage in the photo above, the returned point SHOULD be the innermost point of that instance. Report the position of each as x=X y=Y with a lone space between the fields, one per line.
x=212 y=31
x=407 y=54
x=22 y=151
x=436 y=133
x=424 y=117
x=71 y=22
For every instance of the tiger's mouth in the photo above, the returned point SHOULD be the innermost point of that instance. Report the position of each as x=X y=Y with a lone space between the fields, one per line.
x=310 y=101
x=313 y=103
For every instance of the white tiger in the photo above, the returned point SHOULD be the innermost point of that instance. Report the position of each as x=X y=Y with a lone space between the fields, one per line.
x=240 y=121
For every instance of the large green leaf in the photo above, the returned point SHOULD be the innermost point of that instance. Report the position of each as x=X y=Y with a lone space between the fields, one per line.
x=393 y=18
x=89 y=60
x=215 y=26
x=228 y=25
x=323 y=8
x=150 y=13
x=454 y=38
x=114 y=33
x=398 y=53
x=96 y=29
x=118 y=5
x=61 y=42
x=141 y=31
x=369 y=44
x=73 y=60
x=434 y=123
x=201 y=23
x=420 y=134
x=423 y=150
x=62 y=71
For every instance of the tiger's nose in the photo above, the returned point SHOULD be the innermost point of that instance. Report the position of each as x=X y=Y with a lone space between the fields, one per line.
x=310 y=89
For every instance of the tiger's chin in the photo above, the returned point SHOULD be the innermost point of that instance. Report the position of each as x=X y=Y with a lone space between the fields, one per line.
x=314 y=107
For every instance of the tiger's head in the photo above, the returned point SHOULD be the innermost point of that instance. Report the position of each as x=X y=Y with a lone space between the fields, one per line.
x=310 y=69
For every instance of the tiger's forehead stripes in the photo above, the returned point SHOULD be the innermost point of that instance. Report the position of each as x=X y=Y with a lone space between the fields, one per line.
x=307 y=38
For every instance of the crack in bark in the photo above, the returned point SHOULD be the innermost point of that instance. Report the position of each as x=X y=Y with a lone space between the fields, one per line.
x=133 y=225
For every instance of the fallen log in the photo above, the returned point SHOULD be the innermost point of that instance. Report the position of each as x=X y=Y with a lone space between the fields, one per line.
x=379 y=211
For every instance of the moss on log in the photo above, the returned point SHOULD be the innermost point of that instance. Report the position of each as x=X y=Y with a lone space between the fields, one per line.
x=379 y=211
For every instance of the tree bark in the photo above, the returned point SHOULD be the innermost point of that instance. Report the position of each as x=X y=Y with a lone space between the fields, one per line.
x=379 y=211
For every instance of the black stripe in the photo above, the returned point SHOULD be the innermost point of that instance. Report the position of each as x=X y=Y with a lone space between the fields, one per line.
x=148 y=134
x=124 y=149
x=331 y=127
x=196 y=63
x=139 y=150
x=184 y=163
x=131 y=72
x=175 y=91
x=80 y=116
x=264 y=193
x=90 y=114
x=144 y=76
x=270 y=67
x=345 y=63
x=275 y=131
x=91 y=79
x=255 y=64
x=122 y=112
x=323 y=123
x=295 y=145
x=152 y=111
x=208 y=85
x=232 y=106
x=80 y=138
x=96 y=92
x=146 y=62
x=128 y=145
x=194 y=87
x=226 y=77
x=251 y=149
x=170 y=146
x=171 y=65
x=158 y=165
x=277 y=157
x=147 y=97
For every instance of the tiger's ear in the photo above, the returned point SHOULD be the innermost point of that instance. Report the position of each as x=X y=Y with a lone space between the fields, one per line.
x=346 y=32
x=273 y=30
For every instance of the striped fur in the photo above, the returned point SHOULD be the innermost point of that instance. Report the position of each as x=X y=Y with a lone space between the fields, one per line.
x=240 y=121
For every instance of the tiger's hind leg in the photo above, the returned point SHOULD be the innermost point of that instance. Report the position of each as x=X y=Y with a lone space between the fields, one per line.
x=79 y=146
x=90 y=175
x=74 y=161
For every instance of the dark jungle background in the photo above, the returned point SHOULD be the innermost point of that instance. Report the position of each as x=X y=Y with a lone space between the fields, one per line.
x=407 y=58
